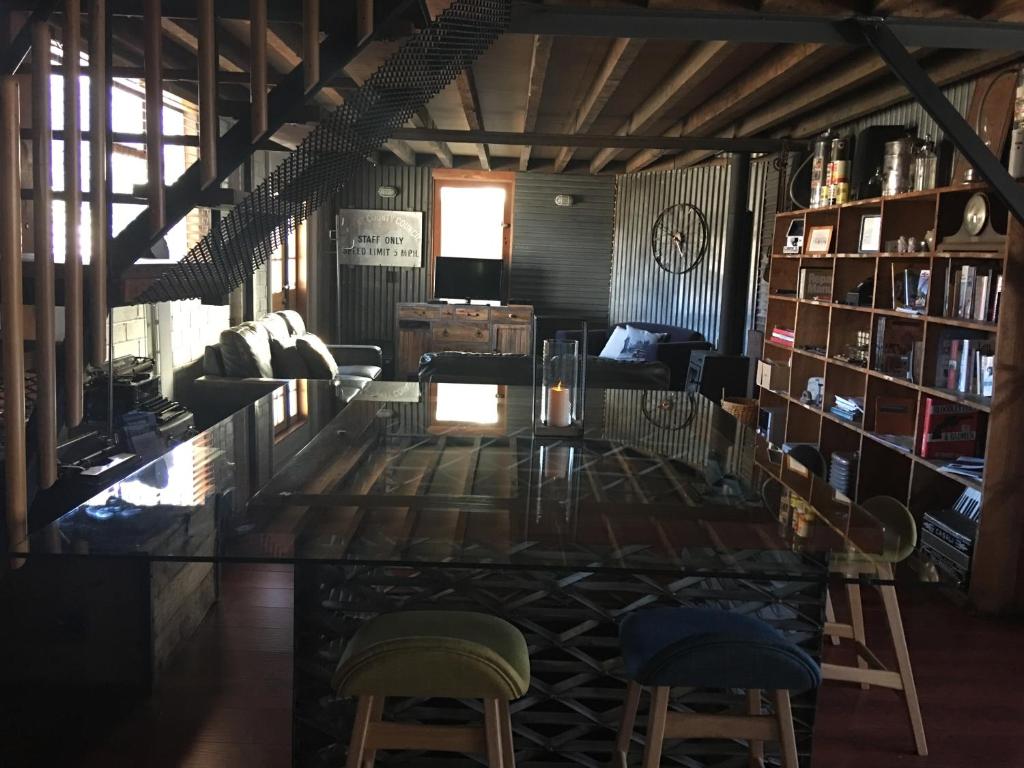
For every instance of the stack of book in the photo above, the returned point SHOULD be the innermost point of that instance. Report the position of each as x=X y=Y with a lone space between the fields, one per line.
x=783 y=336
x=973 y=293
x=968 y=466
x=948 y=430
x=848 y=408
x=843 y=472
x=965 y=363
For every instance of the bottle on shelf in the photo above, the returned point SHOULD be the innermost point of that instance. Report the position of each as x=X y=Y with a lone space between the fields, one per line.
x=926 y=163
x=819 y=169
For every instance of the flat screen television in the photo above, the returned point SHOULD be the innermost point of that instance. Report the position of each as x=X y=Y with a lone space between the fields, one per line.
x=456 y=278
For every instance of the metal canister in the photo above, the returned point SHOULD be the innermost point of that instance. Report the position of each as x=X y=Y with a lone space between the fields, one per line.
x=819 y=168
x=838 y=177
x=896 y=165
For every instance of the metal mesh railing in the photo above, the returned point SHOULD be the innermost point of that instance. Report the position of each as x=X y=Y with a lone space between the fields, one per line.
x=319 y=167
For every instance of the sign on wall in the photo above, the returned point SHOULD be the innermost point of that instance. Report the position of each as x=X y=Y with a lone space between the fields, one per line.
x=380 y=238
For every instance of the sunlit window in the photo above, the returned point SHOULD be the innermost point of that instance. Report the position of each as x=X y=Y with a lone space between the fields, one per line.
x=467 y=403
x=128 y=162
x=289 y=407
x=472 y=222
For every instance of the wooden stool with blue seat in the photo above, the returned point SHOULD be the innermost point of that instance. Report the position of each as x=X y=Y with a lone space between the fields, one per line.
x=709 y=648
x=434 y=654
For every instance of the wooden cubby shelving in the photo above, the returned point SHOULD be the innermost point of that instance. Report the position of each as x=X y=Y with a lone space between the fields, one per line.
x=825 y=329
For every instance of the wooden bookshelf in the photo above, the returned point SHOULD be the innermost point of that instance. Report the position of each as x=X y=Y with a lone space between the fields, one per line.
x=826 y=330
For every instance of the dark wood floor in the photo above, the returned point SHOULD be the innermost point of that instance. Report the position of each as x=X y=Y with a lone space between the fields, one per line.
x=225 y=700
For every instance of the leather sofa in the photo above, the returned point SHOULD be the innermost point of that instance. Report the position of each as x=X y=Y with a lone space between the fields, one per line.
x=255 y=358
x=497 y=368
x=674 y=351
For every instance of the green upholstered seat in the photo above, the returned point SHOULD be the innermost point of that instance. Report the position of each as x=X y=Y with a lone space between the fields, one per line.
x=454 y=654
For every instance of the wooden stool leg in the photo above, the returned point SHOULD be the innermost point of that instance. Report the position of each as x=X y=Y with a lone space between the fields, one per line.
x=857 y=613
x=899 y=641
x=627 y=724
x=787 y=737
x=756 y=747
x=376 y=711
x=360 y=728
x=830 y=616
x=492 y=731
x=656 y=727
x=508 y=753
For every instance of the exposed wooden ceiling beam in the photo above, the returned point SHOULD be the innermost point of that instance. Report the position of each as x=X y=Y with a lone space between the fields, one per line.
x=768 y=144
x=423 y=121
x=466 y=87
x=772 y=75
x=696 y=67
x=620 y=58
x=538 y=71
x=231 y=59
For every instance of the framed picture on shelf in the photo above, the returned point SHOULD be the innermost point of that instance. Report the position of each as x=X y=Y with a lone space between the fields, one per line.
x=794 y=237
x=870 y=233
x=820 y=239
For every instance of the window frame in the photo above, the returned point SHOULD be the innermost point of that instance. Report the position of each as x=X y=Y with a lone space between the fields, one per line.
x=446 y=177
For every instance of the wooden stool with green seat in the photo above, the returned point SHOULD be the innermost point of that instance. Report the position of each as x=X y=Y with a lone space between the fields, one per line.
x=428 y=654
x=900 y=541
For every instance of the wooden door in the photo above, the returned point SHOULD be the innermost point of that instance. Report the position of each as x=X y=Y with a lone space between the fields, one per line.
x=512 y=338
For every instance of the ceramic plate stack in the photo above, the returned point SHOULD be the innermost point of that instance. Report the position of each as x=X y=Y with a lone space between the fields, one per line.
x=842 y=472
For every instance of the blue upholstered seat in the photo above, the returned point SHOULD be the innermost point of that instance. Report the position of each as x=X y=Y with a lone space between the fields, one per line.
x=708 y=648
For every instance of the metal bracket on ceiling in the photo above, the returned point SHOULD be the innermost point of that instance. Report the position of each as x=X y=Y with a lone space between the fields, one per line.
x=883 y=40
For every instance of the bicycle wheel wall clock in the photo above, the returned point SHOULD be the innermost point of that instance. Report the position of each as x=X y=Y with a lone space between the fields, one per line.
x=679 y=238
x=671 y=411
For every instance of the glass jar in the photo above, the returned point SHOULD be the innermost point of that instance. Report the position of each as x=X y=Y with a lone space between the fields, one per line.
x=926 y=163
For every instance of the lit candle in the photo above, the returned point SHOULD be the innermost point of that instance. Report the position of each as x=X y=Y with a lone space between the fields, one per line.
x=559 y=413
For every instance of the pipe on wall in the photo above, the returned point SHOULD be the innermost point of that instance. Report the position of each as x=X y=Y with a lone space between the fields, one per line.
x=42 y=248
x=736 y=265
x=16 y=481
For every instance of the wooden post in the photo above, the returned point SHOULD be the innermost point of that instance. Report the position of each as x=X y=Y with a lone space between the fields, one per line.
x=364 y=19
x=209 y=130
x=153 y=35
x=258 y=65
x=42 y=223
x=99 y=106
x=997 y=575
x=311 y=42
x=74 y=341
x=16 y=490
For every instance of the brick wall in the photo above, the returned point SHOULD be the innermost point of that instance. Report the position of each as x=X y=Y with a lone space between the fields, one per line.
x=132 y=331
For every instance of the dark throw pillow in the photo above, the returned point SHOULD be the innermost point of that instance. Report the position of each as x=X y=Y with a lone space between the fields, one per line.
x=319 y=361
x=287 y=359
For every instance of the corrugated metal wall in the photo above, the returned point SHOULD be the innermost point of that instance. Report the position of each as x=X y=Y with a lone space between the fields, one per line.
x=912 y=113
x=368 y=294
x=561 y=257
x=640 y=289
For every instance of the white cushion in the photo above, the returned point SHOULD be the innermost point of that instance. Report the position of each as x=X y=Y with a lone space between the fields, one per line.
x=616 y=345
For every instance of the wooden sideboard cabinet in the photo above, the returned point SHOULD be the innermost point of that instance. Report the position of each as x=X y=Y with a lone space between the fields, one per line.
x=459 y=328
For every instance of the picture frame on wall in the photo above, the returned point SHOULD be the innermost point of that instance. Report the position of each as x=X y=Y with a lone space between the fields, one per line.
x=819 y=239
x=870 y=240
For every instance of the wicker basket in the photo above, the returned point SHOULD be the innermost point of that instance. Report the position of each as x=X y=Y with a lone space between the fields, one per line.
x=743 y=409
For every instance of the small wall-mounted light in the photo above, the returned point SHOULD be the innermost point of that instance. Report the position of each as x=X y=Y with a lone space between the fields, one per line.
x=387 y=192
x=564 y=201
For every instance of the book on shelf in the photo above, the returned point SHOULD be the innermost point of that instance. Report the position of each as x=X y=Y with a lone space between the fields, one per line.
x=972 y=293
x=904 y=443
x=948 y=430
x=899 y=348
x=958 y=364
x=967 y=466
x=815 y=283
x=894 y=415
x=910 y=290
x=848 y=408
x=783 y=336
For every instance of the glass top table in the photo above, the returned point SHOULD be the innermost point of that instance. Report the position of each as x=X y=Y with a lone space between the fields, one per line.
x=451 y=474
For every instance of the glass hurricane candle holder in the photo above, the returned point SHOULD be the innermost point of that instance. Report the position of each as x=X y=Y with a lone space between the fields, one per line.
x=559 y=383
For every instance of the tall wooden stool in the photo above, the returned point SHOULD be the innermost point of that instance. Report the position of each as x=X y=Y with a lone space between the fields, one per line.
x=707 y=648
x=443 y=654
x=900 y=540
